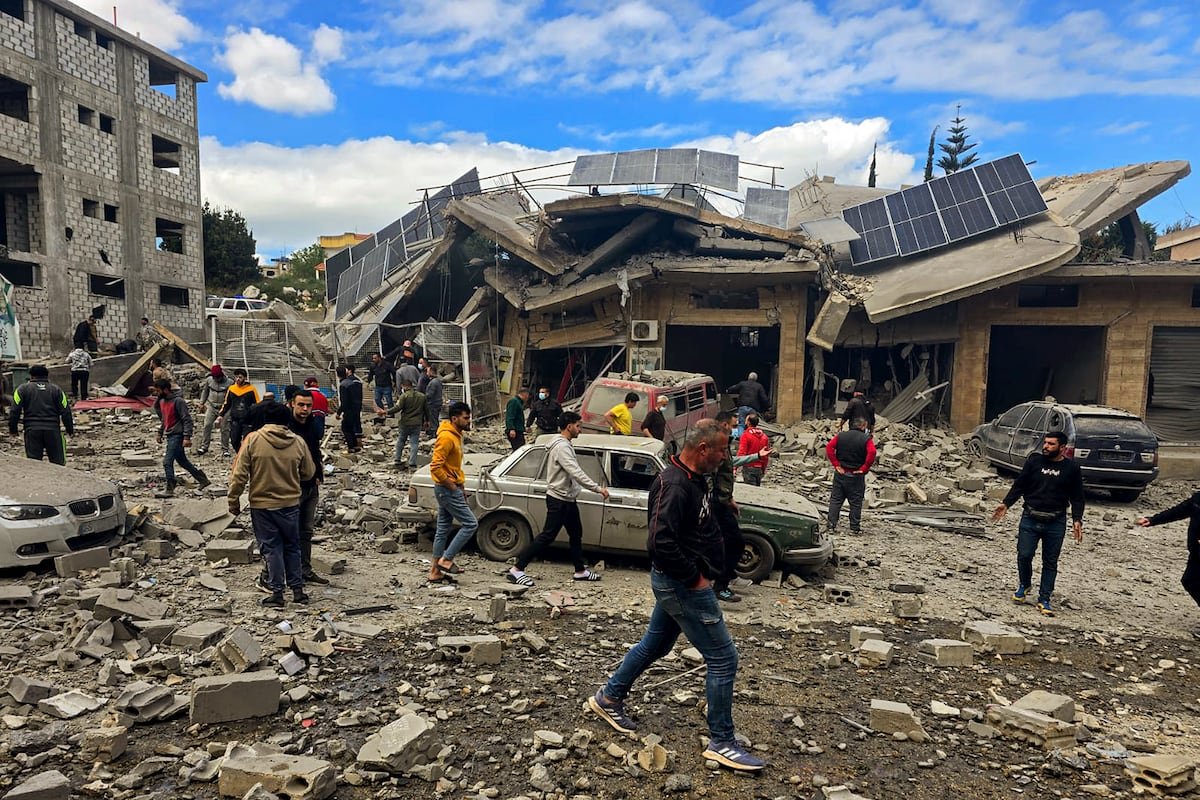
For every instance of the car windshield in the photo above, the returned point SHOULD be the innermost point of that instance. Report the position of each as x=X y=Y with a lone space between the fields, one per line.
x=603 y=398
x=1114 y=427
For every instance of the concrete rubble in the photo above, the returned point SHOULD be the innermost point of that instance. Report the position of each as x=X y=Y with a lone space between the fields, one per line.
x=293 y=777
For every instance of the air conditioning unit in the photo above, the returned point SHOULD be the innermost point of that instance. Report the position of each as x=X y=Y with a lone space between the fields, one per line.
x=644 y=330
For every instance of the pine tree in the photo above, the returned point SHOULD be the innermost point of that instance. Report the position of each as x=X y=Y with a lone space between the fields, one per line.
x=958 y=151
x=929 y=159
x=871 y=174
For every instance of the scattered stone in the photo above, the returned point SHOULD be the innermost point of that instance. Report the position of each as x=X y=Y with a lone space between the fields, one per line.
x=224 y=698
x=999 y=638
x=875 y=653
x=296 y=777
x=402 y=745
x=891 y=717
x=159 y=548
x=940 y=709
x=199 y=635
x=239 y=551
x=105 y=744
x=1032 y=727
x=907 y=607
x=1058 y=706
x=69 y=705
x=327 y=562
x=70 y=564
x=907 y=588
x=1162 y=774
x=861 y=633
x=485 y=649
x=28 y=691
x=52 y=785
x=359 y=630
x=945 y=653
x=238 y=652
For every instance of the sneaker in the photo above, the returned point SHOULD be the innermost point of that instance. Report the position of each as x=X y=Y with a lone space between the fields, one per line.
x=1019 y=594
x=226 y=454
x=201 y=451
x=733 y=756
x=298 y=596
x=1044 y=607
x=261 y=584
x=312 y=577
x=612 y=712
x=728 y=595
x=274 y=601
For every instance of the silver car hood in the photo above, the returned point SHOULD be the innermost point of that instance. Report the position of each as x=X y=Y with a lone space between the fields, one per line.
x=775 y=499
x=23 y=480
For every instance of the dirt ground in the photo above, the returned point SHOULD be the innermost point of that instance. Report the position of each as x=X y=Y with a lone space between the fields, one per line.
x=1120 y=646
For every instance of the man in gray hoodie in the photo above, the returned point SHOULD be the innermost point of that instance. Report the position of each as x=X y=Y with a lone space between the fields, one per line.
x=175 y=425
x=212 y=397
x=564 y=480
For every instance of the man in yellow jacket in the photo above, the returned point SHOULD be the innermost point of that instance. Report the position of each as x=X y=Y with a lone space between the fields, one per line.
x=273 y=462
x=446 y=469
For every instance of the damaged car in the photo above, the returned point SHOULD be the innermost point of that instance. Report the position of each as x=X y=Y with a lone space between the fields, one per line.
x=508 y=495
x=47 y=511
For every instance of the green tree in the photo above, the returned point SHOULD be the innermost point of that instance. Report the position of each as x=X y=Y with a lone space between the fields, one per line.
x=1109 y=243
x=957 y=150
x=229 y=262
x=929 y=158
x=301 y=277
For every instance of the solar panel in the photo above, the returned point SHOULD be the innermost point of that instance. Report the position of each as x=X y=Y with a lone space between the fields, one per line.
x=635 y=166
x=829 y=230
x=718 y=169
x=335 y=265
x=949 y=209
x=676 y=166
x=685 y=165
x=592 y=170
x=768 y=206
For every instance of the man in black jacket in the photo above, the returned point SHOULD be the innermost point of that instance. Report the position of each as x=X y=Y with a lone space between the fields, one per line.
x=1049 y=482
x=751 y=396
x=544 y=412
x=1190 y=510
x=687 y=552
x=350 y=405
x=44 y=407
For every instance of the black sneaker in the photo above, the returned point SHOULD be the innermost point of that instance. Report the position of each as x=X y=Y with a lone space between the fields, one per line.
x=612 y=712
x=312 y=577
x=298 y=596
x=728 y=595
x=274 y=601
x=733 y=756
x=261 y=584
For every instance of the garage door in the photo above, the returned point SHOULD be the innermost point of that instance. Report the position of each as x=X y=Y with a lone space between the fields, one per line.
x=1173 y=412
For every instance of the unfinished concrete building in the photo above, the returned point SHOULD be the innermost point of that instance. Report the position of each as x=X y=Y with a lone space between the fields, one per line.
x=99 y=172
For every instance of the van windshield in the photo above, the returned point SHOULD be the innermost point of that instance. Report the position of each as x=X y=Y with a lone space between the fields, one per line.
x=603 y=398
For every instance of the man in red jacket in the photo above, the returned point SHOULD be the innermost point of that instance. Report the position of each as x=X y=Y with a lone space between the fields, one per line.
x=753 y=440
x=851 y=452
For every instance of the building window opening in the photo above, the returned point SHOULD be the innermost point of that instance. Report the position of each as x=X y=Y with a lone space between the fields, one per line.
x=110 y=213
x=14 y=99
x=108 y=124
x=103 y=41
x=87 y=116
x=163 y=78
x=168 y=235
x=1048 y=296
x=166 y=153
x=91 y=208
x=173 y=296
x=18 y=273
x=14 y=8
x=106 y=286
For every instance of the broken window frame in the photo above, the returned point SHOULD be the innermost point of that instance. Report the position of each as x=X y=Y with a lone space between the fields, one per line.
x=161 y=75
x=169 y=236
x=112 y=212
x=21 y=273
x=175 y=296
x=24 y=101
x=106 y=286
x=165 y=153
x=91 y=208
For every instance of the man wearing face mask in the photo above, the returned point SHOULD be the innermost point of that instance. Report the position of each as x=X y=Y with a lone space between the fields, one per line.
x=544 y=412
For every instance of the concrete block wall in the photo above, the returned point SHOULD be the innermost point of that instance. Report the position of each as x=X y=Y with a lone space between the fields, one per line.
x=92 y=234
x=82 y=57
x=16 y=217
x=174 y=317
x=17 y=35
x=87 y=148
x=33 y=312
x=181 y=107
x=115 y=325
x=183 y=187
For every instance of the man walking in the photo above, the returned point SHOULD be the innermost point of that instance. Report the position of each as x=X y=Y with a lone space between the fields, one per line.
x=44 y=407
x=620 y=416
x=446 y=470
x=383 y=375
x=859 y=407
x=175 y=425
x=301 y=423
x=433 y=400
x=514 y=418
x=212 y=397
x=239 y=399
x=273 y=464
x=851 y=453
x=410 y=405
x=654 y=425
x=1049 y=482
x=80 y=362
x=687 y=553
x=564 y=480
x=751 y=396
x=350 y=405
x=754 y=440
x=725 y=512
x=543 y=413
x=1190 y=510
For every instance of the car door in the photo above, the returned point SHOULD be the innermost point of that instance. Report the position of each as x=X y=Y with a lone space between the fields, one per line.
x=1029 y=434
x=999 y=444
x=522 y=487
x=591 y=505
x=630 y=476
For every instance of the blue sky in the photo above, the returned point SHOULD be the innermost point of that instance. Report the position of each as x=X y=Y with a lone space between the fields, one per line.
x=321 y=117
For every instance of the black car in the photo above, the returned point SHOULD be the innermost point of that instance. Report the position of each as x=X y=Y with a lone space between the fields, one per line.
x=1114 y=449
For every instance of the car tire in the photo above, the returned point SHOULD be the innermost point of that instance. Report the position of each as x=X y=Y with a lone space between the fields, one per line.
x=502 y=536
x=1125 y=495
x=975 y=447
x=758 y=557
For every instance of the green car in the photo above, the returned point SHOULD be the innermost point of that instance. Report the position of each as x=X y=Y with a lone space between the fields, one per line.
x=508 y=495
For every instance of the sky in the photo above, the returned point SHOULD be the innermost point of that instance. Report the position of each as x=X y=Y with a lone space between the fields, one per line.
x=320 y=117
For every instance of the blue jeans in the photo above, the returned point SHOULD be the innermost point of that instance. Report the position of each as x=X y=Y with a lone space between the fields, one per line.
x=452 y=505
x=413 y=437
x=278 y=533
x=320 y=420
x=176 y=454
x=697 y=614
x=383 y=397
x=1051 y=535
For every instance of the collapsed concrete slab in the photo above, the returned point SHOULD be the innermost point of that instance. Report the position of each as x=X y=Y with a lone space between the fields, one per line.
x=1031 y=727
x=126 y=603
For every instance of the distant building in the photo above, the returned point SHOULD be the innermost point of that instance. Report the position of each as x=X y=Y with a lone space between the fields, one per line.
x=340 y=241
x=99 y=176
x=1182 y=245
x=275 y=267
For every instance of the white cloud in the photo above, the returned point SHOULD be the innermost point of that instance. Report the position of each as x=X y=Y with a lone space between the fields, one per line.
x=291 y=195
x=269 y=71
x=657 y=132
x=159 y=22
x=327 y=44
x=1124 y=128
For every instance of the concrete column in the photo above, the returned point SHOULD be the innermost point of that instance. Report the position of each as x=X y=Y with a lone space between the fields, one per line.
x=792 y=307
x=62 y=316
x=969 y=383
x=133 y=227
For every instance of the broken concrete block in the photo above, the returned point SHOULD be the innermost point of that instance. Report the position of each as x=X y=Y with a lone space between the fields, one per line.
x=328 y=563
x=70 y=564
x=971 y=484
x=486 y=649
x=1163 y=774
x=312 y=649
x=28 y=691
x=939 y=495
x=916 y=494
x=1057 y=706
x=838 y=595
x=145 y=702
x=16 y=596
x=125 y=603
x=401 y=745
x=359 y=630
x=224 y=698
x=907 y=607
x=387 y=546
x=52 y=785
x=198 y=635
x=945 y=653
x=291 y=663
x=940 y=709
x=890 y=717
x=238 y=651
x=861 y=633
x=156 y=631
x=104 y=744
x=159 y=665
x=997 y=637
x=964 y=502
x=293 y=777
x=159 y=548
x=69 y=705
x=138 y=459
x=906 y=588
x=1031 y=727
x=238 y=551
x=188 y=538
x=875 y=653
x=536 y=643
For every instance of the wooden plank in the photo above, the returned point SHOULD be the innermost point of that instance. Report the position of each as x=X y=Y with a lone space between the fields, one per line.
x=181 y=345
x=129 y=377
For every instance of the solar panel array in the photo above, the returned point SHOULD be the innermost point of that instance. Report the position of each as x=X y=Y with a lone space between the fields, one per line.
x=362 y=269
x=767 y=206
x=944 y=210
x=683 y=165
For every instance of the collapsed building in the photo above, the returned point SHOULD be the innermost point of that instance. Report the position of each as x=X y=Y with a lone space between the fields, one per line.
x=955 y=299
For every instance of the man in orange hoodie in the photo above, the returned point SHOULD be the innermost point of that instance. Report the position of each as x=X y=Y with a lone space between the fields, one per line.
x=446 y=469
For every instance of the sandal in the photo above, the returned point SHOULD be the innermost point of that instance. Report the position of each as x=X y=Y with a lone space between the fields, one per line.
x=587 y=575
x=519 y=580
x=450 y=568
x=441 y=577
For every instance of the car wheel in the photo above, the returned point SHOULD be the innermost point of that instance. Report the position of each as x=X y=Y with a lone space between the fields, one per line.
x=758 y=558
x=975 y=447
x=502 y=536
x=1125 y=495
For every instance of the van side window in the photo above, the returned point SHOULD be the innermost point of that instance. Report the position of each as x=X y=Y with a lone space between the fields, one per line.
x=695 y=398
x=1056 y=422
x=678 y=405
x=710 y=391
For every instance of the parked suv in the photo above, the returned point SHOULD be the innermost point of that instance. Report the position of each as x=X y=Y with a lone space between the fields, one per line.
x=693 y=398
x=1115 y=450
x=226 y=307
